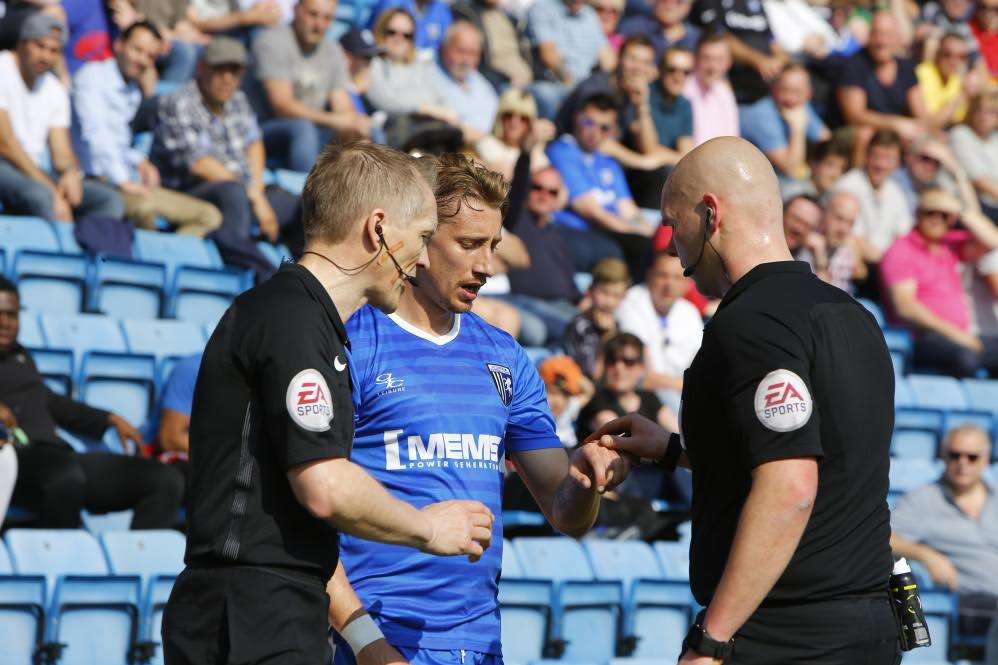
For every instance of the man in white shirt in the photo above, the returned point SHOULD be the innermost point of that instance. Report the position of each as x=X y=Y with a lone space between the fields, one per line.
x=884 y=213
x=34 y=121
x=670 y=327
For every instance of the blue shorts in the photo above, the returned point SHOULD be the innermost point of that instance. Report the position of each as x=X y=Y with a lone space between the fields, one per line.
x=344 y=656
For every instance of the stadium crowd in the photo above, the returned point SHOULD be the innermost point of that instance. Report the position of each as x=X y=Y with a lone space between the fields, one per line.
x=881 y=121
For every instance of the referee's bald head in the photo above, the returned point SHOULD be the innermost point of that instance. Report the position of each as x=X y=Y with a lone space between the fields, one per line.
x=350 y=180
x=723 y=202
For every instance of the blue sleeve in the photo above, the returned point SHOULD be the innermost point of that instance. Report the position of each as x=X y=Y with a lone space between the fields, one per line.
x=568 y=162
x=178 y=394
x=814 y=124
x=620 y=186
x=530 y=426
x=762 y=128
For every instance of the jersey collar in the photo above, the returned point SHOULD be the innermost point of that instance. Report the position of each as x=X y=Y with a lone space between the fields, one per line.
x=759 y=273
x=314 y=287
x=439 y=340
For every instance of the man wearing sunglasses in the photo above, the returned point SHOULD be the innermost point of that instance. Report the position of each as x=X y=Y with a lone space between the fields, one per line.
x=921 y=278
x=951 y=525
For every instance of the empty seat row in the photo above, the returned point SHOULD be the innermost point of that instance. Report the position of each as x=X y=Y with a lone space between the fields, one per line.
x=72 y=599
x=933 y=405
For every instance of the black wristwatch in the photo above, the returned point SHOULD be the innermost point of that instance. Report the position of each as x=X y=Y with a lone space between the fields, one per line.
x=697 y=639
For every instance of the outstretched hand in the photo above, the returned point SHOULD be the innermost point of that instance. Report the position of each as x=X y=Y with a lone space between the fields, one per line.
x=597 y=466
x=632 y=435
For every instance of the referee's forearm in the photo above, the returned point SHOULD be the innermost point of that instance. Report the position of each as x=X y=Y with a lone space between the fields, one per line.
x=770 y=528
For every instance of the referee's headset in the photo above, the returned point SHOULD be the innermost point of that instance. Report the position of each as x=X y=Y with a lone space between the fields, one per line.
x=688 y=272
x=356 y=269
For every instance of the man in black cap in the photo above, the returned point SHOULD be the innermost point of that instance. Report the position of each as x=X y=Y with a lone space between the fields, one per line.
x=786 y=418
x=207 y=143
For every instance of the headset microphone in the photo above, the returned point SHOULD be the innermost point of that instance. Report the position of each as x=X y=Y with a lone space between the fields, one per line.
x=402 y=273
x=688 y=272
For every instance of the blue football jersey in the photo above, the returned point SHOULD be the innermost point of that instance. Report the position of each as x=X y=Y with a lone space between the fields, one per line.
x=435 y=417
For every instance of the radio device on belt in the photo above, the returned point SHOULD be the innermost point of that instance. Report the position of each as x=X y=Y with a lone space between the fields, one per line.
x=912 y=629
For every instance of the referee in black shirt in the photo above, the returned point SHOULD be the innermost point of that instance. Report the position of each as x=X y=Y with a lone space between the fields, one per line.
x=786 y=423
x=272 y=426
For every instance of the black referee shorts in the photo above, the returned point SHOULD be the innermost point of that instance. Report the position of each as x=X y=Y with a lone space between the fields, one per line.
x=245 y=616
x=847 y=631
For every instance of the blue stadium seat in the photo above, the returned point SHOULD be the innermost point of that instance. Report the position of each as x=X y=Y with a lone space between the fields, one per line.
x=897 y=359
x=50 y=282
x=175 y=250
x=120 y=520
x=898 y=340
x=914 y=444
x=583 y=280
x=526 y=617
x=26 y=233
x=292 y=181
x=56 y=366
x=123 y=288
x=93 y=613
x=163 y=338
x=982 y=394
x=909 y=415
x=586 y=611
x=84 y=335
x=937 y=392
x=120 y=382
x=64 y=231
x=274 y=253
x=874 y=309
x=157 y=557
x=675 y=560
x=908 y=474
x=511 y=567
x=656 y=611
x=22 y=613
x=29 y=332
x=537 y=354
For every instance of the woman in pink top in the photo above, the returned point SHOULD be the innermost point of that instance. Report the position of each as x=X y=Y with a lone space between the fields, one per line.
x=922 y=281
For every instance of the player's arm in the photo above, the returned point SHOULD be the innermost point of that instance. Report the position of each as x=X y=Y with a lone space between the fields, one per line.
x=349 y=618
x=343 y=494
x=567 y=490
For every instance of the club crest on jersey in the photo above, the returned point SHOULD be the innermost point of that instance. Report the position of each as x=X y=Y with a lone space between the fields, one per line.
x=502 y=378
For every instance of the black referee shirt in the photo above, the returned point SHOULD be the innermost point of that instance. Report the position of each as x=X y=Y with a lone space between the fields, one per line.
x=273 y=392
x=792 y=367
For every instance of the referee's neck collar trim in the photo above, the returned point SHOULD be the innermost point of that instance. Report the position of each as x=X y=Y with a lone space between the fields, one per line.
x=439 y=340
x=760 y=272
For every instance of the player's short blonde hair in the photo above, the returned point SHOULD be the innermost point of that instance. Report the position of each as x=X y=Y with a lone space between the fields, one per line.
x=461 y=180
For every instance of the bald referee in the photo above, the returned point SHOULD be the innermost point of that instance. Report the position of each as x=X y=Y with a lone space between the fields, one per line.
x=272 y=426
x=786 y=421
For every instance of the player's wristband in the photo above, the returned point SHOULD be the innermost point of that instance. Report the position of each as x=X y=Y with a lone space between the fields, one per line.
x=361 y=632
x=670 y=459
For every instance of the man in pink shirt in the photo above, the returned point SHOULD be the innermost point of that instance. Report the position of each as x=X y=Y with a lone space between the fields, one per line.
x=715 y=111
x=921 y=277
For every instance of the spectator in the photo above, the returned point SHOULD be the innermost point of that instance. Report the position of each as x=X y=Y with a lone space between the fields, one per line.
x=782 y=124
x=985 y=28
x=505 y=61
x=404 y=87
x=884 y=214
x=207 y=143
x=15 y=13
x=802 y=30
x=879 y=90
x=951 y=526
x=671 y=112
x=922 y=282
x=106 y=97
x=306 y=87
x=801 y=218
x=517 y=128
x=570 y=44
x=34 y=119
x=587 y=332
x=757 y=56
x=235 y=19
x=567 y=391
x=624 y=369
x=432 y=18
x=669 y=326
x=942 y=18
x=360 y=49
x=602 y=219
x=923 y=170
x=466 y=91
x=546 y=288
x=845 y=264
x=182 y=41
x=609 y=12
x=169 y=424
x=975 y=144
x=667 y=27
x=89 y=33
x=8 y=459
x=54 y=481
x=827 y=162
x=946 y=82
x=715 y=111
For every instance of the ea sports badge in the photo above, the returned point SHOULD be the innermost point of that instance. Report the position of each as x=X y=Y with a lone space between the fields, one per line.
x=782 y=401
x=308 y=401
